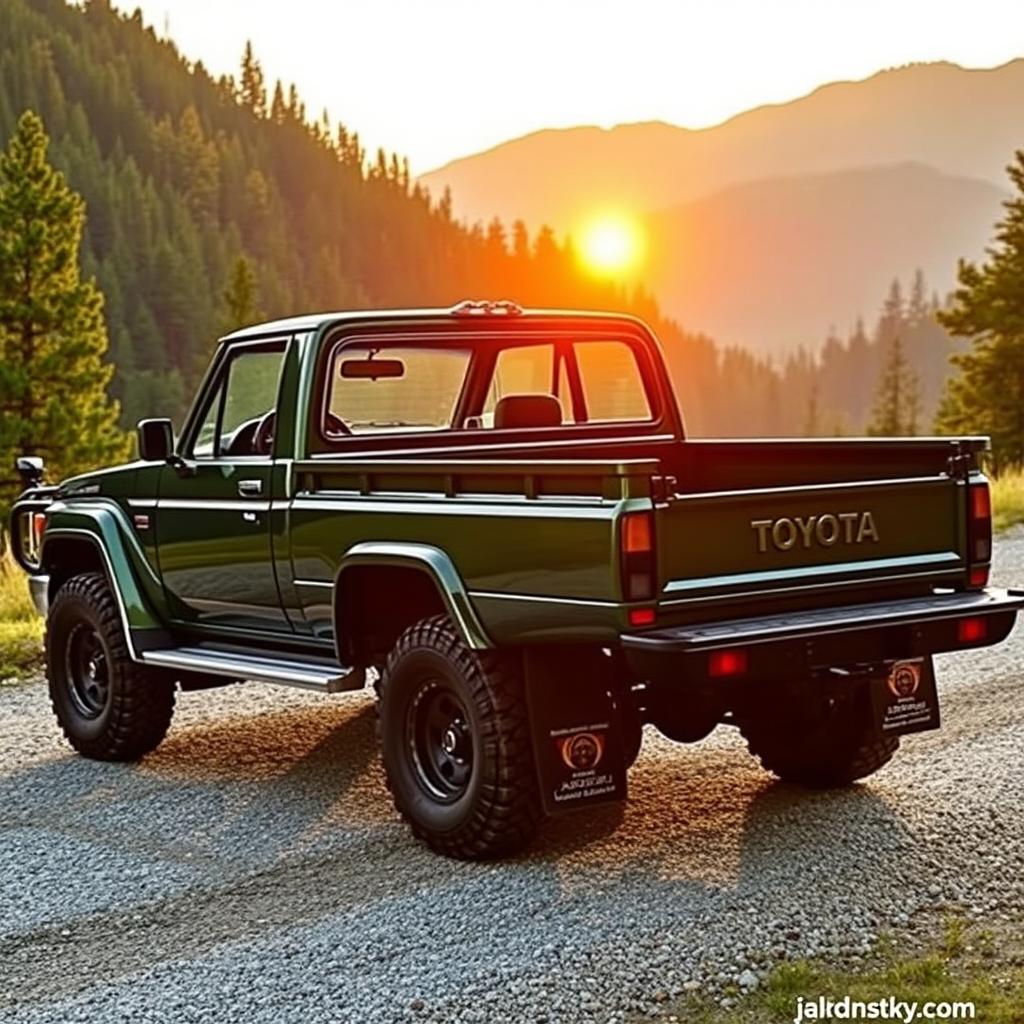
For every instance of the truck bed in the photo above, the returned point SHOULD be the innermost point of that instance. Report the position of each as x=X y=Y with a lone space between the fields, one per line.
x=741 y=527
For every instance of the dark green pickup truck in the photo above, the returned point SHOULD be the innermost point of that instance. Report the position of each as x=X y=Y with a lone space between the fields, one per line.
x=496 y=518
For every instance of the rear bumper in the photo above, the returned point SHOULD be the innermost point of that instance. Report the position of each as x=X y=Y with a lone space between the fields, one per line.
x=783 y=645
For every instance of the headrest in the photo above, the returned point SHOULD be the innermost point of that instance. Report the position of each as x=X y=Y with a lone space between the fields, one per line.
x=514 y=411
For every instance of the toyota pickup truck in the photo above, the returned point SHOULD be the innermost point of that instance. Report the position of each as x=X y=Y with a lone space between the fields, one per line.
x=495 y=517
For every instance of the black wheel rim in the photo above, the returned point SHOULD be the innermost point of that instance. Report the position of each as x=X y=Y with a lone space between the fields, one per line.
x=87 y=671
x=440 y=741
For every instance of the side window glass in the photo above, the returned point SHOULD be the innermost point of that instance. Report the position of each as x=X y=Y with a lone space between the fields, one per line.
x=205 y=442
x=240 y=407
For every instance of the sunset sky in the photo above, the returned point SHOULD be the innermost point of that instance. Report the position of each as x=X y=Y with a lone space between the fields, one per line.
x=439 y=79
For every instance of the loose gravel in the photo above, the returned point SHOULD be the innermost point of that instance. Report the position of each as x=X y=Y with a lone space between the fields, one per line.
x=252 y=868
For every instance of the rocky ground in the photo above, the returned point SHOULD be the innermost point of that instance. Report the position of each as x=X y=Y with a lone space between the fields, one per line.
x=253 y=869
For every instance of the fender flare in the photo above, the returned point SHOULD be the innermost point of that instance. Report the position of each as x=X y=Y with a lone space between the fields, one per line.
x=427 y=559
x=135 y=586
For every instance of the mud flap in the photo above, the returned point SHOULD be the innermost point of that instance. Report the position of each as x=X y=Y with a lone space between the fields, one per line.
x=905 y=698
x=575 y=725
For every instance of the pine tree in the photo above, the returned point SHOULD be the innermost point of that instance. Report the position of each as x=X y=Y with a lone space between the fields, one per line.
x=278 y=107
x=987 y=395
x=812 y=422
x=240 y=303
x=897 y=405
x=53 y=381
x=252 y=90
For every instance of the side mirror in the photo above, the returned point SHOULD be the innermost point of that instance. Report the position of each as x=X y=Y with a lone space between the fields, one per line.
x=156 y=440
x=30 y=468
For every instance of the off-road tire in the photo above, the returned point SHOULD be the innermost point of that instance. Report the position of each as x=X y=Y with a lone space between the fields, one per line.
x=499 y=809
x=834 y=745
x=133 y=716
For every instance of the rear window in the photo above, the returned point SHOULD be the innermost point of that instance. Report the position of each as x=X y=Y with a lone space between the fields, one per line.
x=612 y=384
x=422 y=397
x=379 y=386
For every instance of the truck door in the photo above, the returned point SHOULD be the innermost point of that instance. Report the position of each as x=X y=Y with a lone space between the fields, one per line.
x=213 y=514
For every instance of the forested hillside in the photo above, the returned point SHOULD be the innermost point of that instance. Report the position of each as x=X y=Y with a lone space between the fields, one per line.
x=185 y=176
x=182 y=175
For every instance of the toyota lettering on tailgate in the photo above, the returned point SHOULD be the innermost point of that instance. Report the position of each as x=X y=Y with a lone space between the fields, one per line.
x=823 y=530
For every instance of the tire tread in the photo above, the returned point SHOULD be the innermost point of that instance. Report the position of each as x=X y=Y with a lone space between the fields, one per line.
x=780 y=753
x=142 y=701
x=507 y=816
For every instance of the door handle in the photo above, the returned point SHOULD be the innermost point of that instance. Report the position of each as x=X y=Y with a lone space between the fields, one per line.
x=250 y=488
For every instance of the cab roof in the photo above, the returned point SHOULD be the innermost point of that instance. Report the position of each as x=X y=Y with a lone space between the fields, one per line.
x=483 y=311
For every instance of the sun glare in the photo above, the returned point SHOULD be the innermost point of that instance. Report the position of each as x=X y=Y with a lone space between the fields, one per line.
x=611 y=244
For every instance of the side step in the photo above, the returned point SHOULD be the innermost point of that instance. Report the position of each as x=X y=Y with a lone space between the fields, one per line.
x=314 y=674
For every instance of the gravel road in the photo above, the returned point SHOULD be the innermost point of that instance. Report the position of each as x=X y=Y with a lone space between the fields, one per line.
x=252 y=868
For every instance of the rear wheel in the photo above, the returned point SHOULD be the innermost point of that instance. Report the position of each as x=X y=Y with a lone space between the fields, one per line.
x=455 y=742
x=826 y=742
x=109 y=707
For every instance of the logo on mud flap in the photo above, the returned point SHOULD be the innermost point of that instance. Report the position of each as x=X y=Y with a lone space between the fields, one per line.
x=822 y=530
x=904 y=680
x=582 y=750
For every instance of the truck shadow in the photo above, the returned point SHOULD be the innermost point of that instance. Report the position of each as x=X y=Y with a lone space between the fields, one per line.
x=710 y=818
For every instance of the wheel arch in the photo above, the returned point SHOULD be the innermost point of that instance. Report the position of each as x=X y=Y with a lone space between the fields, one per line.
x=91 y=539
x=382 y=587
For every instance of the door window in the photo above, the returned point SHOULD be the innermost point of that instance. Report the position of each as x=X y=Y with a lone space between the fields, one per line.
x=239 y=417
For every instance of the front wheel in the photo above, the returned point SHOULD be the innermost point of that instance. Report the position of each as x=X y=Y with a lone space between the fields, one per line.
x=109 y=707
x=455 y=742
x=821 y=743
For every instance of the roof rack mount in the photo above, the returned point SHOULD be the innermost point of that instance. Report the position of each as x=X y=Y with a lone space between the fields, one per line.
x=486 y=307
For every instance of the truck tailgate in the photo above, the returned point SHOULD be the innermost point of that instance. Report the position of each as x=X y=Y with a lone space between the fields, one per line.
x=755 y=543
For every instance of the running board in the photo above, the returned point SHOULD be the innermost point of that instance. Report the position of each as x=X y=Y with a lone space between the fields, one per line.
x=307 y=675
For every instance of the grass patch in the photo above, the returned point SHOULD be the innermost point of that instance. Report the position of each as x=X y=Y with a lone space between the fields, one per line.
x=965 y=964
x=1007 y=500
x=21 y=626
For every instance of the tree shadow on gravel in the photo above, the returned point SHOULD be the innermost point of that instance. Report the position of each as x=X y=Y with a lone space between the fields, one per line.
x=232 y=792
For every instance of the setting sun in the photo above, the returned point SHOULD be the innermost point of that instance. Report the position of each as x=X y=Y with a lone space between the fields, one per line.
x=611 y=244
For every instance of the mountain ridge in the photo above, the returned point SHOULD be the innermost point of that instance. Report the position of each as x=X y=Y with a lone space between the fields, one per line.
x=882 y=105
x=923 y=148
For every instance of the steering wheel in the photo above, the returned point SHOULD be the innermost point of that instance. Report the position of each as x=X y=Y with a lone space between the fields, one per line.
x=263 y=439
x=335 y=424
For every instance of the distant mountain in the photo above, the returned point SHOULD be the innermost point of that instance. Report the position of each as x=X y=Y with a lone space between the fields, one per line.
x=783 y=220
x=772 y=264
x=963 y=122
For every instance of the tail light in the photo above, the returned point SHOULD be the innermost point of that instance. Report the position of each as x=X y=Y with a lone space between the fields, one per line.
x=642 y=616
x=731 y=662
x=979 y=534
x=636 y=540
x=971 y=631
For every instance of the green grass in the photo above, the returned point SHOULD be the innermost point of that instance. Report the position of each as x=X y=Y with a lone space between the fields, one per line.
x=1007 y=500
x=21 y=627
x=964 y=964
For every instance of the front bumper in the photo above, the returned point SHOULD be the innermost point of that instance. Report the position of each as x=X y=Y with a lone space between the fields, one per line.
x=802 y=642
x=39 y=590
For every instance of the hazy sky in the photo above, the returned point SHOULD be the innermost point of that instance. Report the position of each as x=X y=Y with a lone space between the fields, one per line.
x=438 y=79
